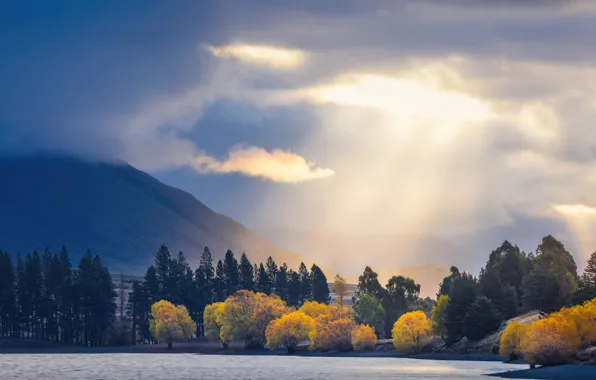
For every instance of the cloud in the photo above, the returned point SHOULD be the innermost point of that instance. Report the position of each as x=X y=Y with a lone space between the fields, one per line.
x=263 y=55
x=277 y=165
x=575 y=210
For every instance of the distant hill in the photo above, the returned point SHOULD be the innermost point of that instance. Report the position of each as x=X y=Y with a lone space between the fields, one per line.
x=116 y=211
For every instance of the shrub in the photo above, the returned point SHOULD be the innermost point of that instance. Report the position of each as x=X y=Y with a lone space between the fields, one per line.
x=511 y=340
x=550 y=341
x=411 y=331
x=289 y=331
x=363 y=338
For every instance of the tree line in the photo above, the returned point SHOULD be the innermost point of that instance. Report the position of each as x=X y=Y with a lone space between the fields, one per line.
x=44 y=297
x=171 y=279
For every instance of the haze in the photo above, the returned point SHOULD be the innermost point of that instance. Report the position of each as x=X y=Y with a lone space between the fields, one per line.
x=387 y=133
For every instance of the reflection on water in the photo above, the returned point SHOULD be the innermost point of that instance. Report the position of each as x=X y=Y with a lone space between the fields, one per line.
x=182 y=367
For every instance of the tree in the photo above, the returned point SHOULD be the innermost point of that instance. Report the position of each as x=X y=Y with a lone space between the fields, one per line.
x=332 y=334
x=247 y=281
x=212 y=321
x=8 y=307
x=438 y=316
x=294 y=289
x=305 y=284
x=368 y=283
x=541 y=290
x=590 y=271
x=462 y=294
x=289 y=331
x=231 y=274
x=281 y=282
x=490 y=286
x=550 y=341
x=482 y=318
x=510 y=343
x=586 y=290
x=137 y=299
x=363 y=338
x=263 y=281
x=170 y=323
x=320 y=287
x=445 y=285
x=369 y=311
x=412 y=331
x=163 y=263
x=340 y=288
x=272 y=271
x=219 y=284
x=400 y=295
x=207 y=276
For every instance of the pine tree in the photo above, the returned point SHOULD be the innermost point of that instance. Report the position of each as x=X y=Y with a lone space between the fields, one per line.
x=320 y=287
x=462 y=294
x=23 y=300
x=34 y=279
x=482 y=318
x=542 y=291
x=368 y=283
x=263 y=282
x=8 y=307
x=590 y=271
x=151 y=296
x=232 y=275
x=294 y=289
x=305 y=284
x=163 y=264
x=65 y=295
x=281 y=282
x=220 y=282
x=208 y=272
x=272 y=271
x=247 y=275
x=104 y=313
x=135 y=308
x=445 y=285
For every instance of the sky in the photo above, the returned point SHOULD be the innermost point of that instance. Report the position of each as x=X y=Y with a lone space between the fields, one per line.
x=452 y=119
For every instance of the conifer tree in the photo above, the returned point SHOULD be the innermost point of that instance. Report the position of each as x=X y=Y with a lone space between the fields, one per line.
x=281 y=282
x=231 y=274
x=219 y=284
x=305 y=284
x=368 y=283
x=320 y=287
x=247 y=281
x=163 y=264
x=263 y=282
x=208 y=273
x=482 y=318
x=294 y=289
x=462 y=294
x=8 y=307
x=590 y=271
x=272 y=271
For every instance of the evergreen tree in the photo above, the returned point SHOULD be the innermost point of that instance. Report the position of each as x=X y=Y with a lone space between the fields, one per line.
x=462 y=294
x=208 y=273
x=65 y=294
x=294 y=289
x=150 y=296
x=23 y=300
x=51 y=273
x=368 y=283
x=445 y=285
x=490 y=286
x=281 y=282
x=219 y=284
x=247 y=281
x=305 y=284
x=586 y=290
x=8 y=307
x=34 y=281
x=255 y=272
x=320 y=287
x=163 y=264
x=263 y=282
x=136 y=308
x=231 y=274
x=541 y=291
x=482 y=318
x=272 y=271
x=400 y=295
x=590 y=271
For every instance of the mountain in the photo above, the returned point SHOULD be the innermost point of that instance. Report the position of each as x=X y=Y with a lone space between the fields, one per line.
x=116 y=211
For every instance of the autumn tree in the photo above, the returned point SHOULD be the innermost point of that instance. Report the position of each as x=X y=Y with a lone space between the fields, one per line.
x=369 y=311
x=550 y=341
x=363 y=338
x=340 y=288
x=438 y=316
x=289 y=331
x=170 y=323
x=332 y=334
x=412 y=331
x=212 y=321
x=510 y=343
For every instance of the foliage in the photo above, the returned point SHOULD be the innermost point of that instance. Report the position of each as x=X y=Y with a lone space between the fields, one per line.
x=289 y=331
x=314 y=309
x=368 y=284
x=368 y=310
x=411 y=331
x=332 y=334
x=340 y=288
x=170 y=323
x=482 y=318
x=550 y=341
x=363 y=338
x=510 y=343
x=461 y=295
x=212 y=322
x=320 y=287
x=584 y=319
x=438 y=316
x=445 y=285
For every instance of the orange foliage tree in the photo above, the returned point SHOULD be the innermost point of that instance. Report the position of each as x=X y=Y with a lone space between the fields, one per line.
x=329 y=334
x=510 y=344
x=170 y=323
x=549 y=341
x=584 y=319
x=411 y=331
x=212 y=323
x=289 y=331
x=363 y=338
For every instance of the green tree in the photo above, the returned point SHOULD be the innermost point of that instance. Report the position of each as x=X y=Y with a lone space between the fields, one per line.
x=368 y=283
x=8 y=307
x=305 y=283
x=208 y=274
x=320 y=287
x=438 y=316
x=247 y=275
x=503 y=298
x=231 y=274
x=445 y=285
x=219 y=284
x=482 y=318
x=369 y=311
x=163 y=264
x=462 y=294
x=272 y=272
x=66 y=294
x=590 y=271
x=294 y=289
x=281 y=282
x=541 y=290
x=263 y=282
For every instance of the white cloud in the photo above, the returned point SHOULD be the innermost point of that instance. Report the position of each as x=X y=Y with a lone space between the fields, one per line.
x=269 y=56
x=277 y=165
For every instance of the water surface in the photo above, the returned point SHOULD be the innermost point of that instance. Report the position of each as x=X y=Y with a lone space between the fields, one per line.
x=190 y=366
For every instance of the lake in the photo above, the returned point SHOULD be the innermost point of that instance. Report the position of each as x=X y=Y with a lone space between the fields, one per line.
x=190 y=366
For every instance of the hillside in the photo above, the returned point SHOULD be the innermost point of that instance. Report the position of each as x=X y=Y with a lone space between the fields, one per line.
x=115 y=210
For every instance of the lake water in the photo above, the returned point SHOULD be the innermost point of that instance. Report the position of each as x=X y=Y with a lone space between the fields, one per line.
x=188 y=366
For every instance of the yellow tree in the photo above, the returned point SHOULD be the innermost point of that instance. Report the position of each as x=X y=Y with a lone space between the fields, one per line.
x=212 y=323
x=549 y=341
x=438 y=316
x=289 y=331
x=510 y=344
x=411 y=331
x=314 y=309
x=332 y=334
x=363 y=338
x=340 y=288
x=584 y=319
x=170 y=323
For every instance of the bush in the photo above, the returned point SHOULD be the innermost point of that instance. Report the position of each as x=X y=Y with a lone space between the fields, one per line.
x=584 y=319
x=289 y=331
x=511 y=340
x=550 y=341
x=482 y=318
x=332 y=334
x=363 y=338
x=412 y=331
